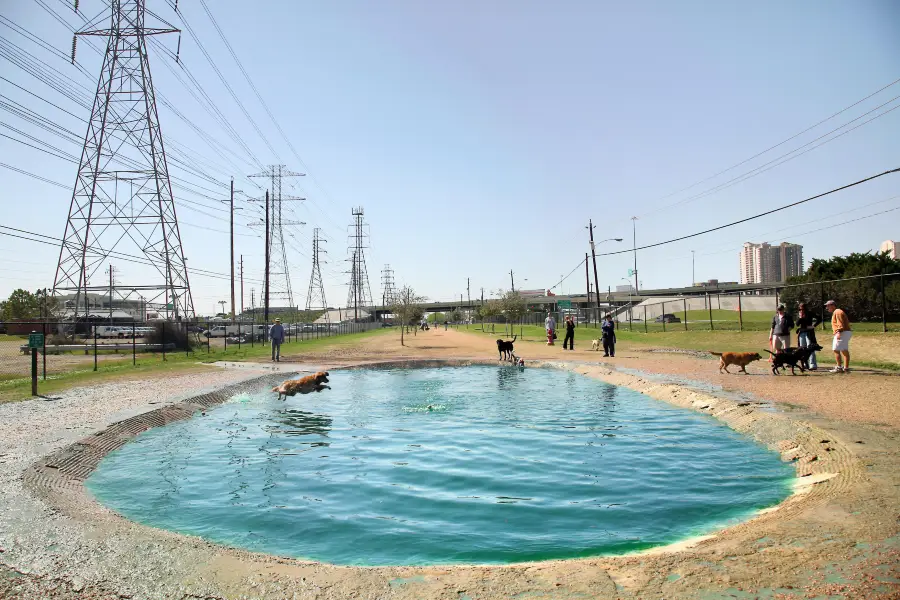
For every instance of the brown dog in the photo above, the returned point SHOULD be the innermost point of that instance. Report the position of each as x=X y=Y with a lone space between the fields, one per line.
x=305 y=385
x=742 y=359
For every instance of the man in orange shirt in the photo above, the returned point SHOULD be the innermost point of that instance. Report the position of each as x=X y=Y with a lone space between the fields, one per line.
x=840 y=326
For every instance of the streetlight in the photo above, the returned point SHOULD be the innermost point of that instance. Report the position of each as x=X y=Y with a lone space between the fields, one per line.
x=594 y=256
x=222 y=303
x=693 y=274
x=634 y=247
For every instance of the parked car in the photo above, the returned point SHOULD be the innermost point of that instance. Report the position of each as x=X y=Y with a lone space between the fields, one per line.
x=667 y=318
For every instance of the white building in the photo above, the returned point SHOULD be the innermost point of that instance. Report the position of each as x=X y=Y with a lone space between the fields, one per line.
x=764 y=263
x=891 y=247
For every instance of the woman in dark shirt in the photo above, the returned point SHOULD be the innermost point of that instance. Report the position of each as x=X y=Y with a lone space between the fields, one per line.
x=806 y=333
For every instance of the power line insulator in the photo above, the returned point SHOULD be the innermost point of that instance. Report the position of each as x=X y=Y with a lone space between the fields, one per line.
x=74 y=40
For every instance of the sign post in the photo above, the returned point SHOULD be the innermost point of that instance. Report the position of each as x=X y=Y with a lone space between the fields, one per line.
x=35 y=341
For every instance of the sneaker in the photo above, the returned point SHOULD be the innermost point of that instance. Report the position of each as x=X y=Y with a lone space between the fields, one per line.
x=837 y=370
x=847 y=370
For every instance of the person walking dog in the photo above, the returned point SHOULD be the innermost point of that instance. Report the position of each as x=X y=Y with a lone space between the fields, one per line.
x=570 y=334
x=550 y=326
x=276 y=335
x=806 y=333
x=608 y=335
x=840 y=327
x=780 y=334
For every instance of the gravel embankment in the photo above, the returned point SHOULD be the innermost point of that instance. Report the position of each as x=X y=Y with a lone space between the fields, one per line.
x=41 y=550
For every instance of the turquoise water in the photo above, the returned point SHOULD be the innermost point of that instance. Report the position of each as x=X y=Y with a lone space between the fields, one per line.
x=427 y=466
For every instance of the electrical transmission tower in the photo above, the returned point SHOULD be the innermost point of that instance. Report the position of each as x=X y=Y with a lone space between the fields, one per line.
x=360 y=294
x=315 y=299
x=278 y=272
x=122 y=194
x=388 y=288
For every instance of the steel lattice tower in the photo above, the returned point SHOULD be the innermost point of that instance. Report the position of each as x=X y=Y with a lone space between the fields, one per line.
x=122 y=195
x=388 y=288
x=279 y=271
x=360 y=294
x=315 y=299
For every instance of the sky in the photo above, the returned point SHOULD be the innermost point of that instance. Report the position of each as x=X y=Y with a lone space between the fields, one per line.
x=481 y=137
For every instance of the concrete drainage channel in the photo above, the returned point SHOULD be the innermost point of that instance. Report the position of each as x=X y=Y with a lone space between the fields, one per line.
x=184 y=566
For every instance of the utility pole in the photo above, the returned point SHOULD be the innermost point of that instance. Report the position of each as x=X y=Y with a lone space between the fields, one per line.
x=231 y=215
x=587 y=278
x=242 y=285
x=360 y=293
x=693 y=274
x=468 y=293
x=266 y=292
x=482 y=296
x=634 y=241
x=111 y=269
x=253 y=303
x=594 y=255
x=512 y=281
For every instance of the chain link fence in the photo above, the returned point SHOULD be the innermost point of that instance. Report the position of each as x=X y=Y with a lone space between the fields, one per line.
x=69 y=347
x=872 y=303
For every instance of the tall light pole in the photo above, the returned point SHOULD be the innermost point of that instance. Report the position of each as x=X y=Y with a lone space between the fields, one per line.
x=634 y=246
x=693 y=274
x=590 y=228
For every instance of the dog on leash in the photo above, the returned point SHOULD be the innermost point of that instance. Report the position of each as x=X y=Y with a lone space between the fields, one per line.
x=741 y=359
x=505 y=348
x=305 y=385
x=596 y=345
x=793 y=358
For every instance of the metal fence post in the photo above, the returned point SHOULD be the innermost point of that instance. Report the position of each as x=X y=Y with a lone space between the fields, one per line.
x=44 y=331
x=740 y=314
x=709 y=304
x=663 y=315
x=822 y=304
x=645 y=318
x=208 y=337
x=164 y=323
x=133 y=346
x=883 y=306
x=95 y=347
x=685 y=314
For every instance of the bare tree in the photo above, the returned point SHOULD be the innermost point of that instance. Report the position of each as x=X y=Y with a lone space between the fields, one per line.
x=407 y=306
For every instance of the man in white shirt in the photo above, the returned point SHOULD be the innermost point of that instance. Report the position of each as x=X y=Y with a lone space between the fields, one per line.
x=550 y=326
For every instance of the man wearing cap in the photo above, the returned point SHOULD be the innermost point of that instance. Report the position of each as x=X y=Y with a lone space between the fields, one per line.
x=840 y=326
x=276 y=334
x=780 y=335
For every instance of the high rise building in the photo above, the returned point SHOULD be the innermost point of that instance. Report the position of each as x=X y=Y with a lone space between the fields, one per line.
x=764 y=263
x=891 y=247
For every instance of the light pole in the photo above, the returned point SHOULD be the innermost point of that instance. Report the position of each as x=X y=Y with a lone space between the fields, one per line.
x=634 y=247
x=693 y=274
x=590 y=227
x=222 y=303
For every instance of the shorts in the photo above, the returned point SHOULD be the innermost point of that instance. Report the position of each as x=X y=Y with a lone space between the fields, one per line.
x=780 y=342
x=843 y=344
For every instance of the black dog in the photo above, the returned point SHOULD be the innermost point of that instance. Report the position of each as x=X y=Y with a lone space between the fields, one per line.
x=505 y=348
x=792 y=357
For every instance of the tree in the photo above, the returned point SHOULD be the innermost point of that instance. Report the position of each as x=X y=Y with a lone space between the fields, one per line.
x=861 y=298
x=21 y=304
x=513 y=307
x=407 y=307
x=455 y=316
x=436 y=317
x=488 y=310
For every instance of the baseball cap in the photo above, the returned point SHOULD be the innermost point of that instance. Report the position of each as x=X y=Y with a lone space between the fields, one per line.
x=781 y=307
x=830 y=302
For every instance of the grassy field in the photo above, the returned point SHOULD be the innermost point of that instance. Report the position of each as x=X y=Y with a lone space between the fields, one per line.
x=14 y=388
x=871 y=349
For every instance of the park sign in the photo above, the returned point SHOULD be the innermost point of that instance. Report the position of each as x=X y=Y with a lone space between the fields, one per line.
x=35 y=340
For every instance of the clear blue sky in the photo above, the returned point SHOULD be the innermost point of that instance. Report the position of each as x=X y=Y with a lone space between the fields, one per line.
x=481 y=137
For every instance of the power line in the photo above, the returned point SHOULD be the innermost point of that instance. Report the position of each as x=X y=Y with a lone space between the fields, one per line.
x=763 y=214
x=781 y=143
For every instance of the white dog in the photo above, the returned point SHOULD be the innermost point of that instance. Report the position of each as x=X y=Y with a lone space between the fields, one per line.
x=595 y=345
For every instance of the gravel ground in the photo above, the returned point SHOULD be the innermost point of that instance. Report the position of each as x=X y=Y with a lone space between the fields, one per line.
x=45 y=551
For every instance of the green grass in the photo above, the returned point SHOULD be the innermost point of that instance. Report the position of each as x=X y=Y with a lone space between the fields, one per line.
x=869 y=348
x=15 y=388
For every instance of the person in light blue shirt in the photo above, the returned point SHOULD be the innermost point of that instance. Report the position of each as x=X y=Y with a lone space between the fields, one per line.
x=276 y=334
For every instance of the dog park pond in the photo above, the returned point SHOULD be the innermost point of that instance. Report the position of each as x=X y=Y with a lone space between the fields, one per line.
x=479 y=464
